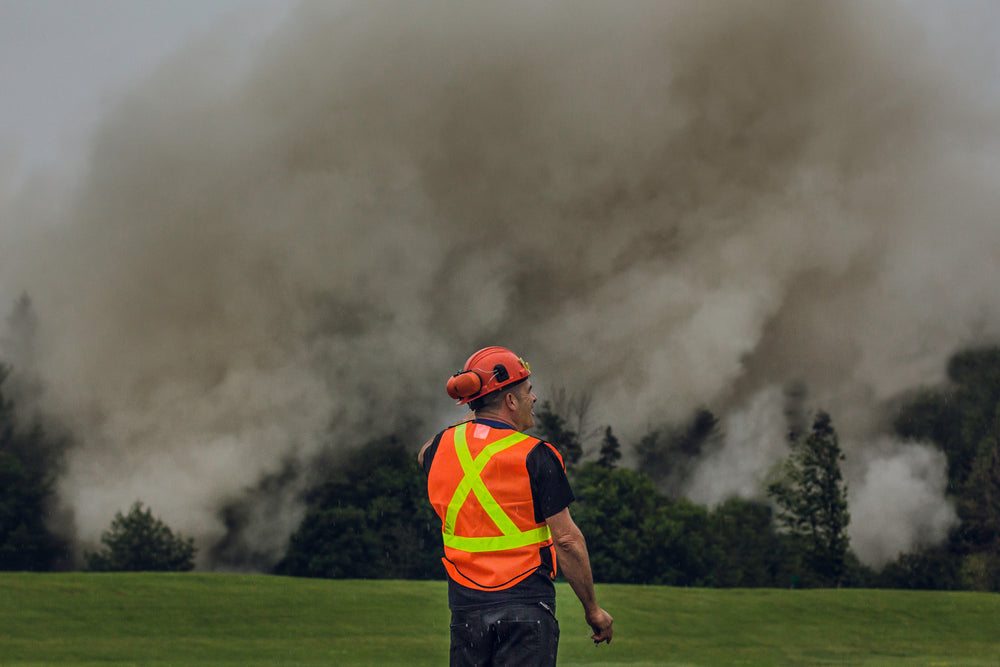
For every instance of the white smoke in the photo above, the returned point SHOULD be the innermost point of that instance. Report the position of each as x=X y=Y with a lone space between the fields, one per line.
x=896 y=490
x=755 y=439
x=897 y=504
x=669 y=204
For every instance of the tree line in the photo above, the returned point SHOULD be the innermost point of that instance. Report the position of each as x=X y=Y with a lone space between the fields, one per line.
x=369 y=517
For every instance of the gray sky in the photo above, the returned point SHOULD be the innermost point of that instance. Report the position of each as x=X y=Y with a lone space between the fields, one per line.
x=63 y=61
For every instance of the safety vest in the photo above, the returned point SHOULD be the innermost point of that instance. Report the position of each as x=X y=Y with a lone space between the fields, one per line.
x=478 y=484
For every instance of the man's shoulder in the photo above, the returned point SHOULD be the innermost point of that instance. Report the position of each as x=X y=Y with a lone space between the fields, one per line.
x=544 y=458
x=537 y=447
x=546 y=449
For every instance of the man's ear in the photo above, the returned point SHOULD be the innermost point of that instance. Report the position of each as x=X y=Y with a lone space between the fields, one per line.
x=511 y=400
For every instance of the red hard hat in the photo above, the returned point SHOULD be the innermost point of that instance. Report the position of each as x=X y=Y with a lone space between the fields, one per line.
x=486 y=371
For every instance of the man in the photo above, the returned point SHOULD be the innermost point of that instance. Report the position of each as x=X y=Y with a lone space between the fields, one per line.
x=503 y=499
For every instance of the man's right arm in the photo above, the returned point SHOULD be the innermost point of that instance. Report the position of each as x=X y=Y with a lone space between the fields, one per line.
x=574 y=561
x=420 y=456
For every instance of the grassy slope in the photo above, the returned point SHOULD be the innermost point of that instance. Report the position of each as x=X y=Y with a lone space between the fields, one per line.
x=213 y=619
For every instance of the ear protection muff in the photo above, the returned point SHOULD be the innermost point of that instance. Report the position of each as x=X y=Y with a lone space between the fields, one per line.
x=464 y=384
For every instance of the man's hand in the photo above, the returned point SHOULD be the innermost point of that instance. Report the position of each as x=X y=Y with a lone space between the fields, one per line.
x=600 y=622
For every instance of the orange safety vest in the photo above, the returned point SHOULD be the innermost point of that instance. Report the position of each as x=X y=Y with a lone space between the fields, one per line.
x=478 y=484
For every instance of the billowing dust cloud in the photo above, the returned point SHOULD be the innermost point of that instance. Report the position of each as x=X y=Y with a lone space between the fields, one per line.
x=669 y=205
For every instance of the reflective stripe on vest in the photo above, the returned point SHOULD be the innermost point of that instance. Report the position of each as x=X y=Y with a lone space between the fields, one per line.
x=513 y=537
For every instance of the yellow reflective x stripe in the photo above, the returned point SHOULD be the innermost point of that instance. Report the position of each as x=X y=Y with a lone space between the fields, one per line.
x=472 y=482
x=512 y=537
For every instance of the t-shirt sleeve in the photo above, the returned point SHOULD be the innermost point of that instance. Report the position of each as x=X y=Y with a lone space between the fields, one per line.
x=550 y=488
x=430 y=452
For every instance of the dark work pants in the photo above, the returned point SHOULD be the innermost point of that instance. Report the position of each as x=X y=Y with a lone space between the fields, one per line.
x=513 y=635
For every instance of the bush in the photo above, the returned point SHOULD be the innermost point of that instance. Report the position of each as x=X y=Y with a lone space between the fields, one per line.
x=932 y=568
x=980 y=572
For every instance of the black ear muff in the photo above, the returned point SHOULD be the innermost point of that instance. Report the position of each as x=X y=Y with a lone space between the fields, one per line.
x=464 y=384
x=500 y=373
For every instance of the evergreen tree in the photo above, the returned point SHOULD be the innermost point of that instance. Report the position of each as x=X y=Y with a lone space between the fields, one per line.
x=812 y=500
x=611 y=450
x=29 y=462
x=140 y=542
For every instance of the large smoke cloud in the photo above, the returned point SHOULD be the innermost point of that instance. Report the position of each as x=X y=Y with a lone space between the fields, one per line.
x=671 y=205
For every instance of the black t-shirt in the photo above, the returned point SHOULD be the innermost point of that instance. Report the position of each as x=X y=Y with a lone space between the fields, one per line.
x=551 y=494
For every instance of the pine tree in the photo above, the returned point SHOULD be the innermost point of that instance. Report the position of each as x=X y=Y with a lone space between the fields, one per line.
x=29 y=462
x=610 y=450
x=812 y=500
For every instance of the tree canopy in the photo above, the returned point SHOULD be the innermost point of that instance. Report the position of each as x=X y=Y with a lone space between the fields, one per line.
x=554 y=428
x=369 y=518
x=963 y=419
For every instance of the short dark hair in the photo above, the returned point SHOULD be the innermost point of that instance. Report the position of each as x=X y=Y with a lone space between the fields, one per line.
x=494 y=398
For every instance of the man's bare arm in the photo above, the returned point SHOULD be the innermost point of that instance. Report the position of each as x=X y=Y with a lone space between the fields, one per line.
x=574 y=561
x=420 y=456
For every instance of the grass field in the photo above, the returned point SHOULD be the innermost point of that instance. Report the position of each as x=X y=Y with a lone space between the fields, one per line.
x=202 y=619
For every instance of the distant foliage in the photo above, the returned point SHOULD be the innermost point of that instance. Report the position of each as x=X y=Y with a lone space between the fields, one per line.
x=140 y=542
x=963 y=419
x=934 y=568
x=635 y=534
x=370 y=519
x=750 y=552
x=554 y=428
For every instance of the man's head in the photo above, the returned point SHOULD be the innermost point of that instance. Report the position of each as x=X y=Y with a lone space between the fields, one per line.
x=513 y=404
x=494 y=382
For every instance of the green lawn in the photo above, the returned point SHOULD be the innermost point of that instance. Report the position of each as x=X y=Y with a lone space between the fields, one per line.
x=218 y=619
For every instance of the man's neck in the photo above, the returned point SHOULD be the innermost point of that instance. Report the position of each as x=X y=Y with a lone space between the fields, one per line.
x=484 y=414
